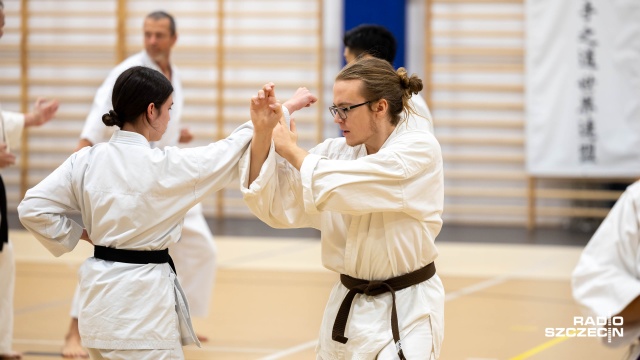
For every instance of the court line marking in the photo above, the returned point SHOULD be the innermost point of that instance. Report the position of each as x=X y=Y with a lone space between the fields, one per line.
x=476 y=287
x=228 y=349
x=540 y=348
x=291 y=350
x=43 y=306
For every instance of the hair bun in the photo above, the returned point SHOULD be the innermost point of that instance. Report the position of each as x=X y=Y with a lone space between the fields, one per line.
x=411 y=84
x=404 y=79
x=111 y=118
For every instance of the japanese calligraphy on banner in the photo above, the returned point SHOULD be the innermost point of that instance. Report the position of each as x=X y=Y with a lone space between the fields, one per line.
x=583 y=88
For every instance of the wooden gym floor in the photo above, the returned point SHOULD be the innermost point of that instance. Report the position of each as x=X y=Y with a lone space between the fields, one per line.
x=270 y=294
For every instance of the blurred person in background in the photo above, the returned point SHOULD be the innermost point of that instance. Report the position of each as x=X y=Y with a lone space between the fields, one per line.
x=11 y=125
x=377 y=41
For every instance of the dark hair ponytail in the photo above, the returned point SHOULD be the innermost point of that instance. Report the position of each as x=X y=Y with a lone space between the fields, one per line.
x=133 y=91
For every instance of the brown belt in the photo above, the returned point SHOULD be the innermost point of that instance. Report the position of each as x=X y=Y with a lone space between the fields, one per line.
x=374 y=288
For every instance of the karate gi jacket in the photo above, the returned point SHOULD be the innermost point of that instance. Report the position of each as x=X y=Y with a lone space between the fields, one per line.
x=130 y=196
x=378 y=215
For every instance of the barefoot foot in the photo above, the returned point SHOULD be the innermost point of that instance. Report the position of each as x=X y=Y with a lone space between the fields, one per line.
x=72 y=348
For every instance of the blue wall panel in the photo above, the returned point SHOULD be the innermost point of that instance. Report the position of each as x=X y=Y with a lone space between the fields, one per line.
x=388 y=13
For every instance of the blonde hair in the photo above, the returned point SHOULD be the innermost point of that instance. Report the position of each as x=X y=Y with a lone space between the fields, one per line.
x=381 y=81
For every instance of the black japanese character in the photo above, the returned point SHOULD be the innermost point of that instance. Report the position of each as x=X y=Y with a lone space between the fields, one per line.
x=586 y=105
x=587 y=11
x=588 y=59
x=587 y=83
x=587 y=129
x=587 y=36
x=588 y=153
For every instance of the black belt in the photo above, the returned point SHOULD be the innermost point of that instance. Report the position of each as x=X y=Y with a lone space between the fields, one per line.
x=374 y=288
x=133 y=256
x=4 y=225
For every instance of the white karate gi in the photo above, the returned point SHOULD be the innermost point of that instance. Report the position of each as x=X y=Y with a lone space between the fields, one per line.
x=420 y=106
x=195 y=254
x=379 y=216
x=130 y=196
x=12 y=125
x=607 y=276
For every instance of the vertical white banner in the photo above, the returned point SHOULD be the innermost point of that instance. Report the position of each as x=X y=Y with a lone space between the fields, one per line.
x=583 y=88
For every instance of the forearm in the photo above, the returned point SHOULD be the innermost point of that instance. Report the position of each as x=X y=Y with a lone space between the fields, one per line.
x=260 y=145
x=294 y=155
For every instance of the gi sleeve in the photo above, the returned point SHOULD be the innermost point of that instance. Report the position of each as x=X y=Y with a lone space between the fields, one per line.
x=13 y=124
x=275 y=196
x=42 y=211
x=386 y=181
x=217 y=162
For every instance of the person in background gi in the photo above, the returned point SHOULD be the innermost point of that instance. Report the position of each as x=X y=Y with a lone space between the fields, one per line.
x=11 y=125
x=606 y=280
x=376 y=195
x=132 y=199
x=195 y=254
x=377 y=41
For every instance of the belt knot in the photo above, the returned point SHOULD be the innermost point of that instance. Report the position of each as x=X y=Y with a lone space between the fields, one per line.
x=374 y=288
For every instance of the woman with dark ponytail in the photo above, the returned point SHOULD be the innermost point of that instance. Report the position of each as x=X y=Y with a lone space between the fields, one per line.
x=133 y=199
x=376 y=195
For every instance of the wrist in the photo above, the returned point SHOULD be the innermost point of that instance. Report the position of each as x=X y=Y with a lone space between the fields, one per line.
x=29 y=119
x=298 y=156
x=290 y=153
x=262 y=134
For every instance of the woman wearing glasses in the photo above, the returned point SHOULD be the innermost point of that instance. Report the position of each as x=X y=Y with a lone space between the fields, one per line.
x=376 y=195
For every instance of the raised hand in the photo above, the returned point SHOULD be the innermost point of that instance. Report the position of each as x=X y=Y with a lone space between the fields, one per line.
x=265 y=109
x=186 y=136
x=302 y=98
x=43 y=111
x=266 y=112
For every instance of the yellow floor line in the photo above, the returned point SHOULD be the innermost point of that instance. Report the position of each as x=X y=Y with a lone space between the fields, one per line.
x=540 y=348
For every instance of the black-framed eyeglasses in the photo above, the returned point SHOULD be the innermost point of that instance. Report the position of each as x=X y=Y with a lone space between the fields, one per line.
x=342 y=111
